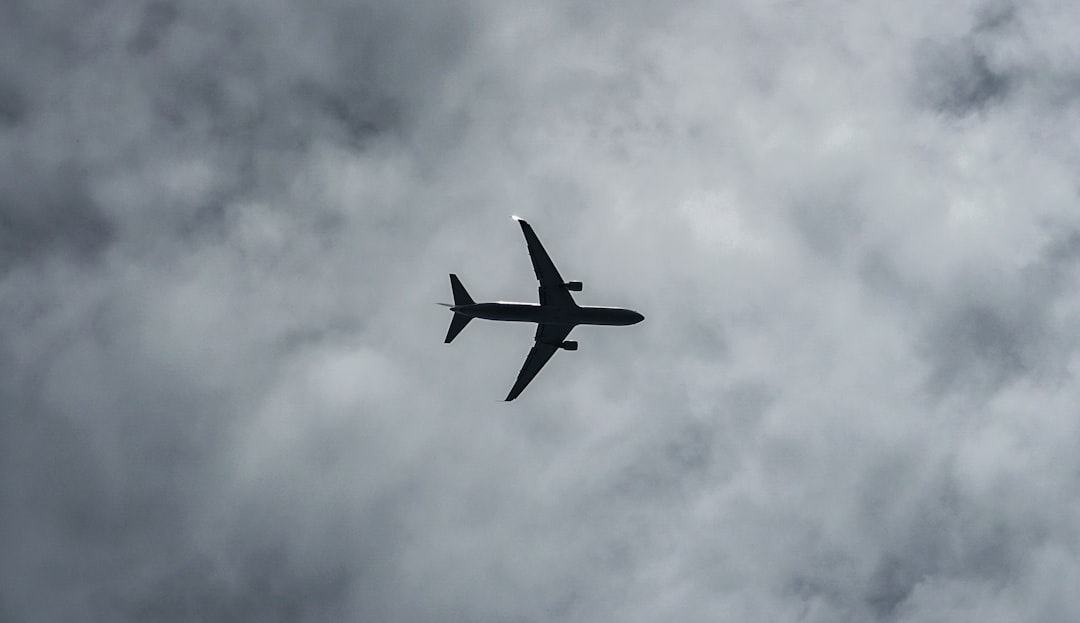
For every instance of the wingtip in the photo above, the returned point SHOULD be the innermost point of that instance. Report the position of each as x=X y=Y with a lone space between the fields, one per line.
x=516 y=217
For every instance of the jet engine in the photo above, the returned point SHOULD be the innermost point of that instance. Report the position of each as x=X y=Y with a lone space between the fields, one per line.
x=569 y=345
x=574 y=286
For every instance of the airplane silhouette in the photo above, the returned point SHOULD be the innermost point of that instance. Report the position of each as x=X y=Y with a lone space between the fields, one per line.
x=555 y=316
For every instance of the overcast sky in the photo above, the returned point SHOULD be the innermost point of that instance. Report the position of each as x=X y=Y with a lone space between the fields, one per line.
x=853 y=229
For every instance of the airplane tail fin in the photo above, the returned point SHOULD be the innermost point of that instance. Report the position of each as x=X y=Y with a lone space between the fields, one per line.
x=461 y=296
x=457 y=323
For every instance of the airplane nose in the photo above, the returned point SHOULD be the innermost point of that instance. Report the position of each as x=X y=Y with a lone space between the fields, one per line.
x=638 y=317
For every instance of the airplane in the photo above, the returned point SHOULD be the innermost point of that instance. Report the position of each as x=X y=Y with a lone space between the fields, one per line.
x=555 y=316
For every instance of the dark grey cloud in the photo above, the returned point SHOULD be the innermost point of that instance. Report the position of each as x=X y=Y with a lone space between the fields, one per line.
x=13 y=105
x=994 y=329
x=966 y=74
x=153 y=25
x=958 y=79
x=223 y=393
x=50 y=213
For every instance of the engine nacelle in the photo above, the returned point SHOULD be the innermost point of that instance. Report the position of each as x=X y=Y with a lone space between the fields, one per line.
x=569 y=345
x=574 y=286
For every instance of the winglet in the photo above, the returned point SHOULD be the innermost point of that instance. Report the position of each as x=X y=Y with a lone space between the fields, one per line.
x=516 y=217
x=530 y=236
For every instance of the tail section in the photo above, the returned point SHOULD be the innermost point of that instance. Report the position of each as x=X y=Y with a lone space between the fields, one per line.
x=461 y=296
x=458 y=321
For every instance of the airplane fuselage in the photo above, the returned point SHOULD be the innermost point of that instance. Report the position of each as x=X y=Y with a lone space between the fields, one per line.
x=550 y=314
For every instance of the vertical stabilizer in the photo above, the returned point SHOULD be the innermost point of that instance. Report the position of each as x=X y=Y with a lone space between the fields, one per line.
x=461 y=296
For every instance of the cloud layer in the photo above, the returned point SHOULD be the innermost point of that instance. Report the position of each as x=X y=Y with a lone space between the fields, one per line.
x=852 y=230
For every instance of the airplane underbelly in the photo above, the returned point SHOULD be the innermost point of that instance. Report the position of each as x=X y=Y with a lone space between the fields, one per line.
x=509 y=312
x=604 y=316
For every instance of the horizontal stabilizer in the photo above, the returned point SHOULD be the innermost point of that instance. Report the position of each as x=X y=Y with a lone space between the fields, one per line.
x=457 y=323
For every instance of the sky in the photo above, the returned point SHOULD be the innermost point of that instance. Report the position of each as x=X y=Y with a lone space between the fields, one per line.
x=852 y=229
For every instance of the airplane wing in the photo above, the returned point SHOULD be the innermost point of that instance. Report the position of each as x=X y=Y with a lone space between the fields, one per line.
x=548 y=338
x=552 y=290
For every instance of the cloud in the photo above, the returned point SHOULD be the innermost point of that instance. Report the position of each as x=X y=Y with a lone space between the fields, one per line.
x=223 y=392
